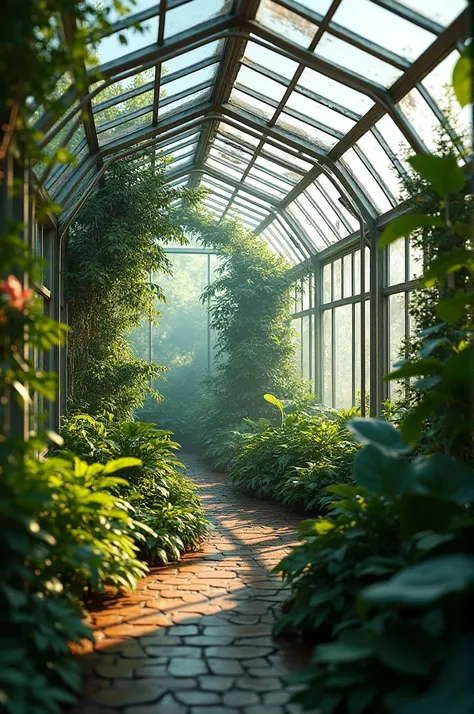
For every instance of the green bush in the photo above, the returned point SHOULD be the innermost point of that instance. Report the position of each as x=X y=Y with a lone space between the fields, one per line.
x=63 y=533
x=163 y=496
x=295 y=461
x=386 y=583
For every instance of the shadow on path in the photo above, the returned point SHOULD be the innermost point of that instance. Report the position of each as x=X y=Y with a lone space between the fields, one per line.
x=195 y=637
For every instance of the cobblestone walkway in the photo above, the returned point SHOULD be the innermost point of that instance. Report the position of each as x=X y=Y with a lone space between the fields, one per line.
x=195 y=638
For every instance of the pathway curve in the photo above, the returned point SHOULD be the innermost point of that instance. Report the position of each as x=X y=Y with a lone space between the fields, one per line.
x=195 y=638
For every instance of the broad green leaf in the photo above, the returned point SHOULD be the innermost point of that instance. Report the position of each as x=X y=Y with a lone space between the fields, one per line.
x=405 y=225
x=442 y=172
x=420 y=368
x=452 y=309
x=273 y=400
x=446 y=477
x=377 y=431
x=406 y=649
x=123 y=463
x=381 y=472
x=342 y=652
x=429 y=347
x=426 y=511
x=452 y=691
x=423 y=584
x=412 y=425
x=446 y=264
x=462 y=77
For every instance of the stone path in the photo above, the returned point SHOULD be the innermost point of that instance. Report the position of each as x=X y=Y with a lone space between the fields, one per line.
x=195 y=638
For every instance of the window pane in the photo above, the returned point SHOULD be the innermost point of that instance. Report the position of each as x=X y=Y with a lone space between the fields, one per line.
x=337 y=278
x=347 y=264
x=327 y=357
x=343 y=346
x=306 y=349
x=396 y=336
x=396 y=262
x=327 y=283
x=383 y=28
x=286 y=23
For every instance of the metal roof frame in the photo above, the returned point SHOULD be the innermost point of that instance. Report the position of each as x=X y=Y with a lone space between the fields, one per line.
x=216 y=111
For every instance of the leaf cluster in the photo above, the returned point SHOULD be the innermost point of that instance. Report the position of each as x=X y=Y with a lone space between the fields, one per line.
x=162 y=495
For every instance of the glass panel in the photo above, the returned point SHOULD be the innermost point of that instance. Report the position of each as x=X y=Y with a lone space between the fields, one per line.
x=191 y=100
x=138 y=6
x=306 y=293
x=380 y=161
x=347 y=265
x=357 y=353
x=367 y=349
x=286 y=23
x=315 y=136
x=327 y=283
x=421 y=117
x=337 y=280
x=328 y=212
x=296 y=325
x=395 y=139
x=334 y=194
x=125 y=129
x=233 y=133
x=223 y=169
x=415 y=262
x=440 y=11
x=396 y=305
x=307 y=227
x=343 y=347
x=264 y=186
x=188 y=81
x=327 y=357
x=316 y=110
x=357 y=272
x=396 y=262
x=297 y=163
x=248 y=103
x=335 y=91
x=124 y=108
x=362 y=63
x=112 y=48
x=254 y=80
x=117 y=88
x=269 y=58
x=189 y=59
x=306 y=348
x=383 y=28
x=438 y=83
x=367 y=270
x=367 y=181
x=193 y=13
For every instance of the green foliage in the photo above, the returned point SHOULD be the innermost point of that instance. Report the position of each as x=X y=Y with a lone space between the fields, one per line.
x=116 y=242
x=250 y=310
x=386 y=580
x=399 y=644
x=163 y=497
x=441 y=309
x=294 y=462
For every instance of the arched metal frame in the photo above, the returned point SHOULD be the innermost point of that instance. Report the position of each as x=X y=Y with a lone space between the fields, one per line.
x=285 y=173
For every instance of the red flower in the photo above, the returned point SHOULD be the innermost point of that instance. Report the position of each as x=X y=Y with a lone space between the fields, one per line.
x=17 y=296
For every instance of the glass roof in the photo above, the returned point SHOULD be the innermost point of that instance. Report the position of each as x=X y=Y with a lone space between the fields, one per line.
x=296 y=115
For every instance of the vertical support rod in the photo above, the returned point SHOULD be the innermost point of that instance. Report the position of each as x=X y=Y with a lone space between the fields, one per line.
x=209 y=356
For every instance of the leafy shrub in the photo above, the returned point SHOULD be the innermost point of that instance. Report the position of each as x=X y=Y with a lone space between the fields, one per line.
x=163 y=497
x=387 y=581
x=63 y=533
x=295 y=461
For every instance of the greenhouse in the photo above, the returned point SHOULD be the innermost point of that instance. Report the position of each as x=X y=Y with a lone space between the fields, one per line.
x=236 y=318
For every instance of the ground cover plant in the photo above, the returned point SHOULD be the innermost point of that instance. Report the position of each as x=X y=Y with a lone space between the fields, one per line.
x=386 y=580
x=163 y=497
x=294 y=460
x=64 y=532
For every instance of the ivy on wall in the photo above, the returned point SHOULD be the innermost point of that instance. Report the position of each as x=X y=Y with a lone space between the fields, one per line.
x=116 y=241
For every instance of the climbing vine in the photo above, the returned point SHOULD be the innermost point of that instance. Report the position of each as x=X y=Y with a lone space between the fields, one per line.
x=116 y=242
